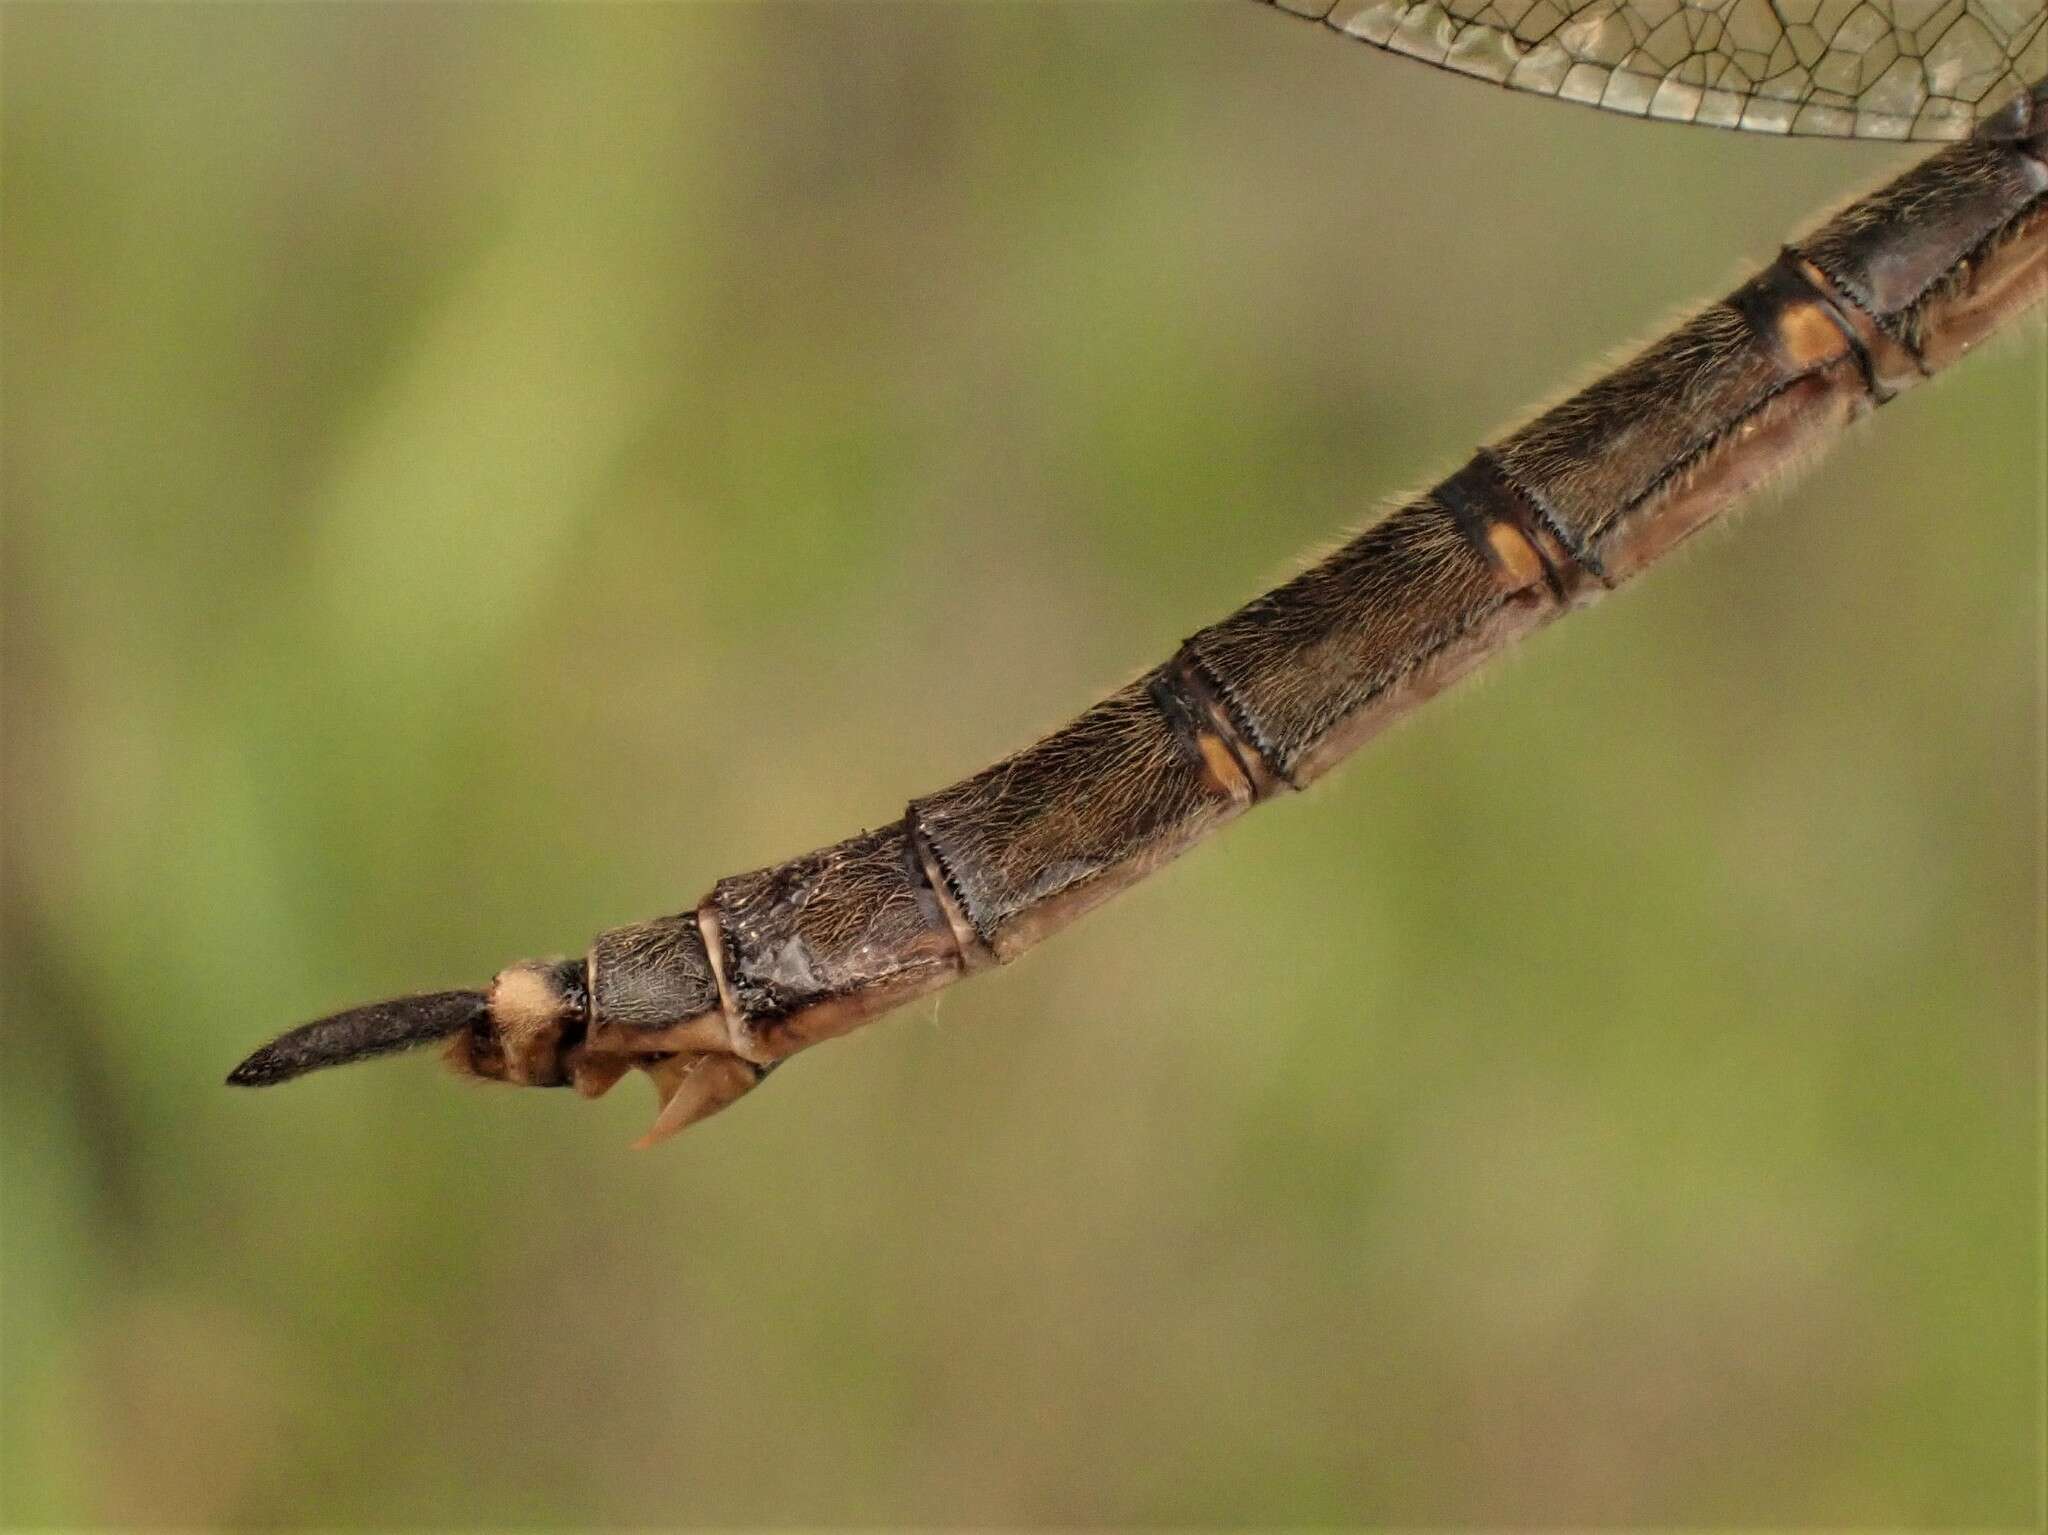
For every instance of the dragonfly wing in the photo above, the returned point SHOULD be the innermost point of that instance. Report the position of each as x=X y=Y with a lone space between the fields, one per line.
x=1878 y=69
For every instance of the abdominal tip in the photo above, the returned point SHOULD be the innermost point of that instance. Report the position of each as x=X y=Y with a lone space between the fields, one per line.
x=260 y=1070
x=359 y=1033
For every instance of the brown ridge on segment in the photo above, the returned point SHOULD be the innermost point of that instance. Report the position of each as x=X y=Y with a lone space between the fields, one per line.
x=1235 y=768
x=975 y=954
x=1768 y=440
x=737 y=1033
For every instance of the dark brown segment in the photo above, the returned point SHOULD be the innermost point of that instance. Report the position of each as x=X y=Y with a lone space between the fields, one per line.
x=1296 y=663
x=1064 y=824
x=652 y=974
x=2005 y=276
x=1887 y=250
x=1594 y=458
x=853 y=925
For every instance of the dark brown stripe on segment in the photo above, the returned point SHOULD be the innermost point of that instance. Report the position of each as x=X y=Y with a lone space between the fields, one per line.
x=1182 y=717
x=1471 y=496
x=1791 y=284
x=2024 y=118
x=1481 y=498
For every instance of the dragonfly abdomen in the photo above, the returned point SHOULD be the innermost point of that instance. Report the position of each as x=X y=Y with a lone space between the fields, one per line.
x=1892 y=289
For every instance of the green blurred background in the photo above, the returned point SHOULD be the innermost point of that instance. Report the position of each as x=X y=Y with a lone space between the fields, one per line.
x=474 y=475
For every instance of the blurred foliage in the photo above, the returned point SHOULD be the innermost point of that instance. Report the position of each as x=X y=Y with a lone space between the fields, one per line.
x=473 y=475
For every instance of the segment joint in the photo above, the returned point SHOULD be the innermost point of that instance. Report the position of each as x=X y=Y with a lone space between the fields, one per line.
x=1201 y=714
x=1522 y=539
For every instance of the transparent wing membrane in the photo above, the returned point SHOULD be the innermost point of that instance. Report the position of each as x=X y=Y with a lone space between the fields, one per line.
x=1877 y=69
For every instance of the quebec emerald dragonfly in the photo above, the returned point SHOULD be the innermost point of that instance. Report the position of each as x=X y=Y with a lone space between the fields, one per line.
x=1894 y=288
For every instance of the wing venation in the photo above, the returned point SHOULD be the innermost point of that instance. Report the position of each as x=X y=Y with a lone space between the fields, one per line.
x=1875 y=69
